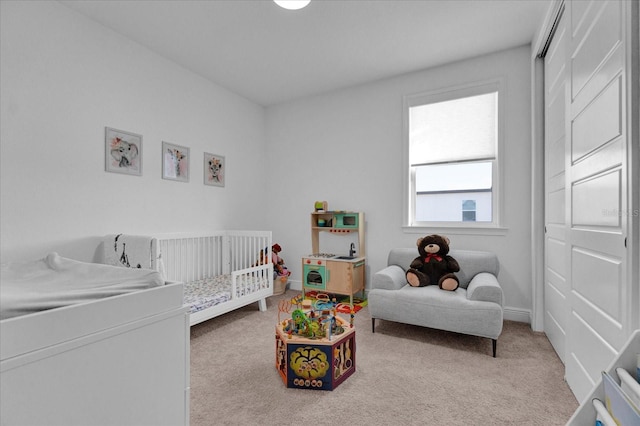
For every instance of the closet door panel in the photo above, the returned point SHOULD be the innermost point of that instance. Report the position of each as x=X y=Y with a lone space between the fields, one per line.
x=597 y=201
x=609 y=157
x=584 y=372
x=558 y=284
x=556 y=260
x=555 y=207
x=555 y=135
x=591 y=272
x=598 y=123
x=596 y=41
x=556 y=161
x=606 y=73
x=579 y=12
x=555 y=320
x=556 y=311
x=601 y=325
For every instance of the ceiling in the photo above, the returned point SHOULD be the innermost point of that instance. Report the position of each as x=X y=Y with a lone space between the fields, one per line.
x=271 y=55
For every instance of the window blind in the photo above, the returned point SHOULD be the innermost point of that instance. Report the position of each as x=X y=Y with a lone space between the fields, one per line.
x=463 y=129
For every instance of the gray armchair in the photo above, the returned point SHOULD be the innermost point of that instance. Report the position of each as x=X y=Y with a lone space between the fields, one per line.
x=475 y=308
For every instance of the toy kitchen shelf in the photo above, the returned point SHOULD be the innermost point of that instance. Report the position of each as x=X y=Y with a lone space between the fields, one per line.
x=338 y=222
x=335 y=273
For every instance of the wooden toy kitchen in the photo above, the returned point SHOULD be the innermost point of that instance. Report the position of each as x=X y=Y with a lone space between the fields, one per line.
x=330 y=272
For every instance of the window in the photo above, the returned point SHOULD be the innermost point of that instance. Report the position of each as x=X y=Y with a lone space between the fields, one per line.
x=451 y=140
x=469 y=210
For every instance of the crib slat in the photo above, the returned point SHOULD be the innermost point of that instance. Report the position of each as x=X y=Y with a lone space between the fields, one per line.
x=189 y=257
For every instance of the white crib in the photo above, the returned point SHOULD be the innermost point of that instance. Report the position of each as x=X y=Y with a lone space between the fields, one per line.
x=222 y=271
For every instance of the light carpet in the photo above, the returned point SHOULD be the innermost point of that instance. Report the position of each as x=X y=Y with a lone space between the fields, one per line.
x=405 y=375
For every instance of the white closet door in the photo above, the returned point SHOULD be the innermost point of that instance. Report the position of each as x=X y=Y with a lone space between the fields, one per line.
x=595 y=194
x=556 y=287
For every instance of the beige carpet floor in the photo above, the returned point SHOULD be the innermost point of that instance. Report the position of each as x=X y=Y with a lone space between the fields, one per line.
x=405 y=375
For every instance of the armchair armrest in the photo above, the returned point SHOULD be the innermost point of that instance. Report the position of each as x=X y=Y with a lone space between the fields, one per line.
x=392 y=277
x=485 y=287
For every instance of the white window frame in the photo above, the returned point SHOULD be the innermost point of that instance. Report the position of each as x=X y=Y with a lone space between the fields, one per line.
x=409 y=193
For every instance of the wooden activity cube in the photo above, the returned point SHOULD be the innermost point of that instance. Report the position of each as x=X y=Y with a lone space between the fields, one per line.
x=315 y=363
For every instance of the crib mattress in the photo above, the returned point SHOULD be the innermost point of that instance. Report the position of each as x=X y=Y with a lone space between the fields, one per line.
x=209 y=292
x=55 y=281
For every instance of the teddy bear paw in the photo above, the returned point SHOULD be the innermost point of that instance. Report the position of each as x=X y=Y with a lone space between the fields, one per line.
x=449 y=284
x=413 y=280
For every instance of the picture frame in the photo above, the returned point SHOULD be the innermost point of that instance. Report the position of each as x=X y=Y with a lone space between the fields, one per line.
x=175 y=162
x=214 y=169
x=122 y=152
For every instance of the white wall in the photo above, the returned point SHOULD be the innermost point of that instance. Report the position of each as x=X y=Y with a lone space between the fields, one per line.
x=63 y=79
x=345 y=147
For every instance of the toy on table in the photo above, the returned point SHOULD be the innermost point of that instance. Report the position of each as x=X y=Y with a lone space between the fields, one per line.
x=434 y=266
x=312 y=319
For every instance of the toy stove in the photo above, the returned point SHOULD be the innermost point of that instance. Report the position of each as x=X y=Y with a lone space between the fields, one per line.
x=314 y=270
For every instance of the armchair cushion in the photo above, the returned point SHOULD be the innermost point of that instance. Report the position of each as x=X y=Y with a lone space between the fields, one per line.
x=484 y=287
x=390 y=278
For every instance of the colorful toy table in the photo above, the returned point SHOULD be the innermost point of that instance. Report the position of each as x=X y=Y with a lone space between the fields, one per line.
x=319 y=363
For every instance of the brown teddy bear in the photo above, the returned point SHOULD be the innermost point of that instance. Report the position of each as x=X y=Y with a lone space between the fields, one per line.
x=434 y=266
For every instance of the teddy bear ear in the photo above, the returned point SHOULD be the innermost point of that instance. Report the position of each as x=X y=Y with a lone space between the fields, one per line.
x=419 y=241
x=446 y=239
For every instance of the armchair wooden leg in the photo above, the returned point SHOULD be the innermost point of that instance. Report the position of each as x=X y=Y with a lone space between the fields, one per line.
x=495 y=342
x=373 y=325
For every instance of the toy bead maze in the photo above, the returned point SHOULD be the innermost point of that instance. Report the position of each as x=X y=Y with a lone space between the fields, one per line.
x=315 y=348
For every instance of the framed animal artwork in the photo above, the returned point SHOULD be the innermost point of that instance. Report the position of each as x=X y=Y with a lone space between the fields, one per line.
x=123 y=152
x=214 y=169
x=175 y=162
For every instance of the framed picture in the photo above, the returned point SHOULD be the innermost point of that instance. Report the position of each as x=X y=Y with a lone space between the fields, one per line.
x=122 y=152
x=214 y=169
x=175 y=162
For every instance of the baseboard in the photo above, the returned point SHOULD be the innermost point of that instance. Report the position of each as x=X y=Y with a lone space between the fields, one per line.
x=510 y=314
x=518 y=315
